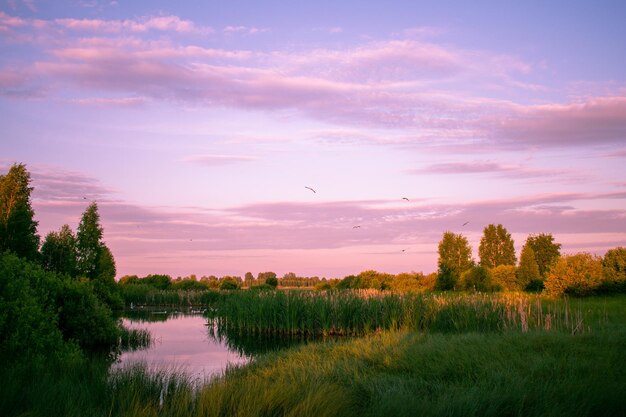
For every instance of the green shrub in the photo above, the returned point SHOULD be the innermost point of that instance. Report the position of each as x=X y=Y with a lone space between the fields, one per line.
x=447 y=279
x=506 y=278
x=477 y=278
x=28 y=320
x=228 y=284
x=579 y=274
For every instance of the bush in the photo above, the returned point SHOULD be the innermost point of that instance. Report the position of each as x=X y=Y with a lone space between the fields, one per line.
x=477 y=278
x=271 y=282
x=446 y=279
x=228 y=284
x=40 y=310
x=579 y=274
x=28 y=320
x=505 y=277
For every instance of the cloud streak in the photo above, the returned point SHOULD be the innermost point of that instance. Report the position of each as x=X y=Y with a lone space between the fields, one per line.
x=218 y=160
x=398 y=83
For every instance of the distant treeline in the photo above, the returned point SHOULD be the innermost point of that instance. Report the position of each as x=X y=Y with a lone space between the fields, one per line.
x=404 y=282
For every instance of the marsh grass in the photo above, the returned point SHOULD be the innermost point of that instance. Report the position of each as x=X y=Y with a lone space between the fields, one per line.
x=358 y=313
x=148 y=296
x=386 y=373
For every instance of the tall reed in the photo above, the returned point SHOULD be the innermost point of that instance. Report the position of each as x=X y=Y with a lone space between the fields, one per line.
x=362 y=312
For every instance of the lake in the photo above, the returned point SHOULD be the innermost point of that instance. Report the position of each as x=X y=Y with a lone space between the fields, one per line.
x=180 y=340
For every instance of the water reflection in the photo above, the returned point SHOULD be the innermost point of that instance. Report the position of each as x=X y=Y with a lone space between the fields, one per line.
x=251 y=345
x=184 y=340
x=179 y=341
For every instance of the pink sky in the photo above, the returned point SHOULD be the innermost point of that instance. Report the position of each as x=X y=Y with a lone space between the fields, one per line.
x=196 y=129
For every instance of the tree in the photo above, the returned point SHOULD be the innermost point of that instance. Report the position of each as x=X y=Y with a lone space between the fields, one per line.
x=271 y=281
x=614 y=270
x=248 y=279
x=58 y=252
x=455 y=257
x=578 y=274
x=546 y=251
x=106 y=266
x=528 y=270
x=496 y=247
x=89 y=242
x=614 y=264
x=18 y=229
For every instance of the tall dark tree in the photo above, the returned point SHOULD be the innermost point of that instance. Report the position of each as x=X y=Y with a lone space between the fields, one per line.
x=106 y=266
x=496 y=247
x=547 y=252
x=455 y=257
x=18 y=229
x=89 y=242
x=528 y=270
x=58 y=252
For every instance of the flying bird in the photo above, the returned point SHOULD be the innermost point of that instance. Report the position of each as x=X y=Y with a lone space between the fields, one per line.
x=311 y=189
x=356 y=227
x=404 y=198
x=465 y=223
x=404 y=250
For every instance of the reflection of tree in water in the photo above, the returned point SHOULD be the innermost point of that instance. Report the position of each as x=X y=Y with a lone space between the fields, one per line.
x=254 y=344
x=159 y=315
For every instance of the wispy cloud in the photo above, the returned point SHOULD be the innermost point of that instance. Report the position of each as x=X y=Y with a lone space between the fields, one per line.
x=111 y=101
x=387 y=84
x=497 y=169
x=332 y=30
x=159 y=23
x=594 y=120
x=137 y=232
x=218 y=160
x=244 y=30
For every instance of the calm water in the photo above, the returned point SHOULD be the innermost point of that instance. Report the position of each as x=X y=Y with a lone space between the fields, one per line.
x=181 y=341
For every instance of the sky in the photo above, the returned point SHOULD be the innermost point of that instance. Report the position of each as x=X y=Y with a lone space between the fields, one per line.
x=196 y=126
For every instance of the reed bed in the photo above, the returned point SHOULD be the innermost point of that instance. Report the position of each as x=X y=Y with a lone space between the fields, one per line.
x=147 y=296
x=356 y=313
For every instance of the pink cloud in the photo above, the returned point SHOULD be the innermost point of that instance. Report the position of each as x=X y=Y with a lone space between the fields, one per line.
x=217 y=160
x=12 y=21
x=244 y=30
x=255 y=236
x=387 y=84
x=488 y=167
x=111 y=101
x=160 y=23
x=595 y=120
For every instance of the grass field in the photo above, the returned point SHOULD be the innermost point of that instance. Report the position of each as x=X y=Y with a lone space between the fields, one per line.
x=386 y=373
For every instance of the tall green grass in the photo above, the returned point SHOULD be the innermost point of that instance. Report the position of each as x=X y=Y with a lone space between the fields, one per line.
x=358 y=313
x=148 y=295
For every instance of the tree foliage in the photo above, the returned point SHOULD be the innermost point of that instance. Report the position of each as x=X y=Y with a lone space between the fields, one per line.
x=477 y=278
x=18 y=229
x=455 y=257
x=505 y=277
x=89 y=242
x=496 y=247
x=614 y=264
x=528 y=270
x=58 y=252
x=579 y=274
x=546 y=251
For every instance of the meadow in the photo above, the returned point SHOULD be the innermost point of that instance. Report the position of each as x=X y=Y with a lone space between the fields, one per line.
x=473 y=356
